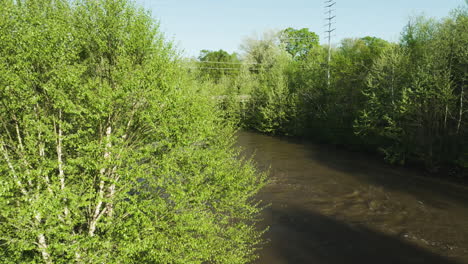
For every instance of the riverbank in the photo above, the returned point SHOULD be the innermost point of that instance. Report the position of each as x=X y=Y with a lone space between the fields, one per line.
x=444 y=173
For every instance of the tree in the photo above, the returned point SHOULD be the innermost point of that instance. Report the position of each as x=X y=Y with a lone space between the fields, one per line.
x=299 y=42
x=271 y=105
x=105 y=155
x=454 y=32
x=216 y=64
x=343 y=99
x=261 y=53
x=380 y=119
x=415 y=92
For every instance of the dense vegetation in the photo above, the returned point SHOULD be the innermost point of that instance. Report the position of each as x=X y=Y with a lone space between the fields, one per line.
x=107 y=153
x=406 y=100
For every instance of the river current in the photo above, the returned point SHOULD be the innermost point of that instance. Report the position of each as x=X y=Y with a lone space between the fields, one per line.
x=329 y=206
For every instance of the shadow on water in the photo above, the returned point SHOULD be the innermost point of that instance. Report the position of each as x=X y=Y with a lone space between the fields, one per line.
x=299 y=236
x=374 y=171
x=333 y=206
x=371 y=169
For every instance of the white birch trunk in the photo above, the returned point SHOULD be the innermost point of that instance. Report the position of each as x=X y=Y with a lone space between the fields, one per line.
x=60 y=153
x=98 y=211
x=43 y=248
x=12 y=168
x=59 y=133
x=460 y=116
x=42 y=243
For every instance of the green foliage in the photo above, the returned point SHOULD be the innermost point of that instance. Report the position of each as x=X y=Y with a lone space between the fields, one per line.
x=106 y=155
x=380 y=119
x=327 y=112
x=299 y=42
x=407 y=100
x=415 y=95
x=271 y=108
x=215 y=65
x=261 y=53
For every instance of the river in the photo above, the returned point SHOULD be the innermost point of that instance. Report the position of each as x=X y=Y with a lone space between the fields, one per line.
x=329 y=206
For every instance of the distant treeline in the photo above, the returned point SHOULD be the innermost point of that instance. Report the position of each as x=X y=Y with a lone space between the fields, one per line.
x=406 y=100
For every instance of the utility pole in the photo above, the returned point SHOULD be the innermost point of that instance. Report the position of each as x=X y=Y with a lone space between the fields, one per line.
x=329 y=19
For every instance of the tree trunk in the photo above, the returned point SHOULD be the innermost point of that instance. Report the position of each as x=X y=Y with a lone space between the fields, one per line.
x=98 y=212
x=460 y=116
x=43 y=248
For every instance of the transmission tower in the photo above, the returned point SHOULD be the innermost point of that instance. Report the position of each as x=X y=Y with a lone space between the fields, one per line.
x=329 y=18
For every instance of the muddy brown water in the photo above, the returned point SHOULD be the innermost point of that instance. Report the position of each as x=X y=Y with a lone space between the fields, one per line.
x=329 y=206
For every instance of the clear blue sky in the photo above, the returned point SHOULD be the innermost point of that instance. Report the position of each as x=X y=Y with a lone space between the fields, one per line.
x=223 y=24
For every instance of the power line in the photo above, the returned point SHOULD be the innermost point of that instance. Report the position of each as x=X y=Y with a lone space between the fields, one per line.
x=215 y=68
x=298 y=38
x=212 y=68
x=220 y=62
x=330 y=2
